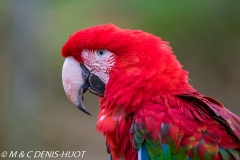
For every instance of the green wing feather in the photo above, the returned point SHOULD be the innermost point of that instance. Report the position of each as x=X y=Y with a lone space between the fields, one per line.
x=185 y=128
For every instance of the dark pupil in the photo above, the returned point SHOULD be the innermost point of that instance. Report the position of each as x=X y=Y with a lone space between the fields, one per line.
x=101 y=52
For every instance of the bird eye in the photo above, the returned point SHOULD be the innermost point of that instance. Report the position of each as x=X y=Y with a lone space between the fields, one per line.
x=100 y=52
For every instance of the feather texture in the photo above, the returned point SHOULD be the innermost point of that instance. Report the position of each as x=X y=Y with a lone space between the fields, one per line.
x=183 y=135
x=149 y=109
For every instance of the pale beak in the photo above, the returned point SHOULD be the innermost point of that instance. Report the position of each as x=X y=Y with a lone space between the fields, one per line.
x=77 y=79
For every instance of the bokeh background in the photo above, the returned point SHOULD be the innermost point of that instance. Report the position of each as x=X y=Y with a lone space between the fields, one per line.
x=35 y=113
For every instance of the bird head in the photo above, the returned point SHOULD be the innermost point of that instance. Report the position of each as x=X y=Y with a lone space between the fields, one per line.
x=120 y=65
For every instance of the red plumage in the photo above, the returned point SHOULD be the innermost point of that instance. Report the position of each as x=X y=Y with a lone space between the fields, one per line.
x=148 y=93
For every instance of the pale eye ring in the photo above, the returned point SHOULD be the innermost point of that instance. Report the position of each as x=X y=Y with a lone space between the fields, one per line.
x=101 y=52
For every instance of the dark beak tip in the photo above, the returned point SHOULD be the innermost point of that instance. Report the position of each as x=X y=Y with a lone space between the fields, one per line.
x=88 y=113
x=83 y=109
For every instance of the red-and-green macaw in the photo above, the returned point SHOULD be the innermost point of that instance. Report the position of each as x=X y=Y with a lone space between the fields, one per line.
x=148 y=110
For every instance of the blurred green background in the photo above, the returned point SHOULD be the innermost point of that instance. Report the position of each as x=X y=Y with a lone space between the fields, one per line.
x=35 y=113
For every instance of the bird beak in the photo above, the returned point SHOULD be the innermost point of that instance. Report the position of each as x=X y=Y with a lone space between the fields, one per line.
x=77 y=79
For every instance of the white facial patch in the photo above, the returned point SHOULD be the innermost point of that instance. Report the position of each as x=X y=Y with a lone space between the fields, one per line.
x=99 y=62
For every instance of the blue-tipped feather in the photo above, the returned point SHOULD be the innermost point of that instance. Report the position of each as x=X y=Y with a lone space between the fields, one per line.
x=166 y=152
x=142 y=153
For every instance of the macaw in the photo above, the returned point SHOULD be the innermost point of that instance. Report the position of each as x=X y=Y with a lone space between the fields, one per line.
x=148 y=110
